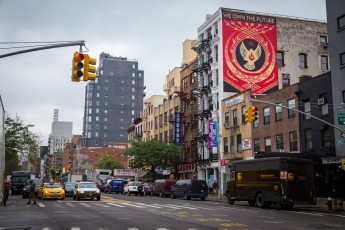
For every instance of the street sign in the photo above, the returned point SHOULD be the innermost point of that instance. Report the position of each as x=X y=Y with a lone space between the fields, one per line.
x=341 y=119
x=340 y=142
x=342 y=135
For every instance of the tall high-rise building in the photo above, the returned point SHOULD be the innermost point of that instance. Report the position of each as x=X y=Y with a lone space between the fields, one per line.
x=112 y=101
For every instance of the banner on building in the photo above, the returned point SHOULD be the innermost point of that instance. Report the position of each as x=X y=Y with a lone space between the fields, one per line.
x=249 y=52
x=212 y=134
x=178 y=129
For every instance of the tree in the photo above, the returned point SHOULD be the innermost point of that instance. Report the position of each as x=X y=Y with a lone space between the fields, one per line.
x=153 y=153
x=106 y=162
x=19 y=142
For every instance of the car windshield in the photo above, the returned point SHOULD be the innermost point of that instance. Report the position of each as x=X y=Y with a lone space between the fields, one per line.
x=87 y=185
x=136 y=184
x=69 y=185
x=51 y=185
x=38 y=183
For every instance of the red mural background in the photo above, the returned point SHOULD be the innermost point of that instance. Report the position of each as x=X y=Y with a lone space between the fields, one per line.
x=249 y=52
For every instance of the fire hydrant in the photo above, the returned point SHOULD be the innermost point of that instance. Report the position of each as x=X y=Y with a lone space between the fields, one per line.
x=329 y=203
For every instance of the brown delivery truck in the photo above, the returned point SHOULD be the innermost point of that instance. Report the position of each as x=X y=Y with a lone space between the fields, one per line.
x=276 y=180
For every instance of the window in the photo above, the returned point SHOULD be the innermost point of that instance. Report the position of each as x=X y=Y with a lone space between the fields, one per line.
x=227 y=120
x=285 y=80
x=239 y=143
x=303 y=61
x=293 y=141
x=256 y=145
x=291 y=105
x=342 y=59
x=226 y=145
x=323 y=105
x=243 y=111
x=323 y=41
x=306 y=105
x=325 y=135
x=267 y=144
x=341 y=22
x=256 y=122
x=308 y=139
x=133 y=97
x=266 y=116
x=133 y=74
x=280 y=141
x=324 y=62
x=232 y=145
x=133 y=66
x=280 y=59
x=234 y=113
x=279 y=115
x=216 y=52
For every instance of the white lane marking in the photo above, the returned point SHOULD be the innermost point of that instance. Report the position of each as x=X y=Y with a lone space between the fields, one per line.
x=102 y=205
x=86 y=205
x=334 y=225
x=116 y=205
x=133 y=229
x=137 y=206
x=312 y=214
x=41 y=205
x=69 y=204
x=167 y=206
x=46 y=228
x=75 y=228
x=153 y=206
x=273 y=222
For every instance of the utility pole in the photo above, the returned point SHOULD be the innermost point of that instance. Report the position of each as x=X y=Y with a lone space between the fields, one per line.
x=57 y=45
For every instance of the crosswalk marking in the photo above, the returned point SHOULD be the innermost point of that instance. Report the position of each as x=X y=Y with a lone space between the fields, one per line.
x=116 y=205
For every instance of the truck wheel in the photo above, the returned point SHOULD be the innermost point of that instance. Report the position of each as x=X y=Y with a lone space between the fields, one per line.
x=260 y=200
x=186 y=197
x=229 y=200
x=251 y=203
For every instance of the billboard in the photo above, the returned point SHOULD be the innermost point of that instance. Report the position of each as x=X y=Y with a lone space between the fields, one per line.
x=178 y=130
x=212 y=134
x=249 y=52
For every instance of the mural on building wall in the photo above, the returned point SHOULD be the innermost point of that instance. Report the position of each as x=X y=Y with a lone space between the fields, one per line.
x=249 y=53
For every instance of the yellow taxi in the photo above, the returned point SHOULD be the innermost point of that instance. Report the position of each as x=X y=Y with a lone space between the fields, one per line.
x=51 y=191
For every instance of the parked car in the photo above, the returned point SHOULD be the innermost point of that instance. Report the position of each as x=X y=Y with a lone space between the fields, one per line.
x=26 y=188
x=147 y=188
x=86 y=190
x=134 y=187
x=51 y=190
x=189 y=189
x=115 y=185
x=69 y=187
x=162 y=187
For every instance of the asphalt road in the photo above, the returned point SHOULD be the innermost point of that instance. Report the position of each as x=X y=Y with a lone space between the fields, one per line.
x=116 y=211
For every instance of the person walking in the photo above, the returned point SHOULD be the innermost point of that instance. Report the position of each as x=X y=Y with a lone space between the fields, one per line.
x=6 y=192
x=215 y=187
x=32 y=192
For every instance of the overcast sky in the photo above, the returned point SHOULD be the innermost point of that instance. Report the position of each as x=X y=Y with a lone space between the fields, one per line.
x=150 y=31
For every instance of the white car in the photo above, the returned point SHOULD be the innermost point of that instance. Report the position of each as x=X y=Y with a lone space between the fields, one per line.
x=134 y=187
x=86 y=190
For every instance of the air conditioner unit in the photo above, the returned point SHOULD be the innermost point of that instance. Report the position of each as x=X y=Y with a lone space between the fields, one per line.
x=226 y=124
x=321 y=101
x=324 y=44
x=192 y=102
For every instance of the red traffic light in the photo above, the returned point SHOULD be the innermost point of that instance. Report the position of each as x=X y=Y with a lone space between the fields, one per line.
x=79 y=57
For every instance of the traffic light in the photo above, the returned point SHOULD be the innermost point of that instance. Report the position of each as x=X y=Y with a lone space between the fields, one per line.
x=89 y=68
x=251 y=114
x=77 y=66
x=248 y=115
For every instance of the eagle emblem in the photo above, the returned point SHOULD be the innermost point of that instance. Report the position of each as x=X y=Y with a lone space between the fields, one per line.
x=251 y=56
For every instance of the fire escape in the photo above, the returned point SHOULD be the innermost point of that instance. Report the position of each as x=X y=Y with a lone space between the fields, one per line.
x=201 y=112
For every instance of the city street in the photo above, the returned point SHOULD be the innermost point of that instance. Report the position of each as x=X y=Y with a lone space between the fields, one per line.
x=117 y=211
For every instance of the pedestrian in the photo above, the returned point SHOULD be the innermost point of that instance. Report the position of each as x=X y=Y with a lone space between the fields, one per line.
x=32 y=192
x=215 y=187
x=6 y=192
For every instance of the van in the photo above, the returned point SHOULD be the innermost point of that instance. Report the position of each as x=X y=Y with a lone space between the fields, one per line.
x=115 y=185
x=162 y=187
x=190 y=189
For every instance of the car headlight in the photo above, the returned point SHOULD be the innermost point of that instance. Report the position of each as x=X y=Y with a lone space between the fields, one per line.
x=46 y=191
x=81 y=191
x=98 y=191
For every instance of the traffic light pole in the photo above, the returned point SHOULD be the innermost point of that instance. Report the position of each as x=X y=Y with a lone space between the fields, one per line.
x=65 y=44
x=298 y=111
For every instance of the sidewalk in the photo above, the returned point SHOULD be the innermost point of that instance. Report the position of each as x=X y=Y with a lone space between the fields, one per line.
x=321 y=204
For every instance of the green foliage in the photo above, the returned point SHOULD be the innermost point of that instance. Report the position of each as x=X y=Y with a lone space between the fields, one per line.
x=106 y=162
x=149 y=154
x=19 y=142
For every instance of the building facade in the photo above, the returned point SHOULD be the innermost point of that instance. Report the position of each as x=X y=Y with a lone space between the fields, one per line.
x=112 y=101
x=238 y=50
x=336 y=32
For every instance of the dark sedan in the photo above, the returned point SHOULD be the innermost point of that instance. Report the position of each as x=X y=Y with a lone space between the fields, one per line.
x=69 y=186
